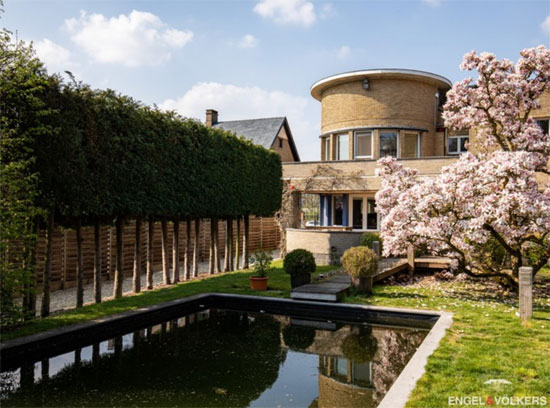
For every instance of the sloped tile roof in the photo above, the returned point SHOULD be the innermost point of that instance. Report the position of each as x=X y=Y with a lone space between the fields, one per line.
x=261 y=132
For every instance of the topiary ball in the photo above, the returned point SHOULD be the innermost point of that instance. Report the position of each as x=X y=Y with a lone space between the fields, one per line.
x=299 y=262
x=298 y=338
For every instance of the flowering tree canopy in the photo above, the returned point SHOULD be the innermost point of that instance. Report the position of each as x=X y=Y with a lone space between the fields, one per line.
x=486 y=211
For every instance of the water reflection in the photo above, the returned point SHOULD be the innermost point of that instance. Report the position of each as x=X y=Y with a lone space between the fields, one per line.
x=221 y=358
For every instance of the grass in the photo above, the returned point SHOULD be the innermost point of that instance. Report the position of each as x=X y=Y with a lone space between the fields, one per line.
x=486 y=341
x=232 y=282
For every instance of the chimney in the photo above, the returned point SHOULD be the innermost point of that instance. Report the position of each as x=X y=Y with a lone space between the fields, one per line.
x=211 y=117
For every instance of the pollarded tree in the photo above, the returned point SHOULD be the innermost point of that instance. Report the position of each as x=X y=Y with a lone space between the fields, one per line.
x=486 y=211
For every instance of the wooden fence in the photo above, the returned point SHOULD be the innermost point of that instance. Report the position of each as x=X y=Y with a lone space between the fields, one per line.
x=263 y=233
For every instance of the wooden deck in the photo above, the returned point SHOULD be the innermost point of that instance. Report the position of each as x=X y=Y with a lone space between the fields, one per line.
x=336 y=287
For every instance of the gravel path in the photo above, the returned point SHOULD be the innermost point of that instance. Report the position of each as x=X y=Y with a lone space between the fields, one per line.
x=66 y=298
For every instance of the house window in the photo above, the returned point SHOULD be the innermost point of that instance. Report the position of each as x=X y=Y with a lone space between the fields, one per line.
x=543 y=123
x=410 y=145
x=280 y=142
x=310 y=205
x=342 y=152
x=457 y=144
x=388 y=144
x=327 y=148
x=338 y=210
x=363 y=145
x=372 y=216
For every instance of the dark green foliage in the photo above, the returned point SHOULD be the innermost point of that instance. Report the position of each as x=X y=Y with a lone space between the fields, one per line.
x=298 y=338
x=360 y=347
x=299 y=262
x=367 y=238
x=96 y=156
x=24 y=116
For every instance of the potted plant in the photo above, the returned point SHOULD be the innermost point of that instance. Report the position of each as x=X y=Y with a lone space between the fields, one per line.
x=361 y=264
x=299 y=264
x=261 y=262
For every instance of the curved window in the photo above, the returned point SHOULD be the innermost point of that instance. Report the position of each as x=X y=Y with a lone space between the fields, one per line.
x=388 y=144
x=363 y=145
x=342 y=147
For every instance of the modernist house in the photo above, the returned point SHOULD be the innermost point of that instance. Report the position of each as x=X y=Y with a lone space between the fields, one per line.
x=271 y=133
x=366 y=115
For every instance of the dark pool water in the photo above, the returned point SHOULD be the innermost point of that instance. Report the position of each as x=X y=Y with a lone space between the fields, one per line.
x=219 y=358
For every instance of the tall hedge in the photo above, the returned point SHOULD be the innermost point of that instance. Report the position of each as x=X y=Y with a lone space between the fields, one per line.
x=94 y=156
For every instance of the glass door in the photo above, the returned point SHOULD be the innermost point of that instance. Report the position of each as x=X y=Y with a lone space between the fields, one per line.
x=357 y=221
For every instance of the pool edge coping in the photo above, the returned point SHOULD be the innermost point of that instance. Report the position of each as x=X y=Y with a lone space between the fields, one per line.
x=400 y=391
x=19 y=341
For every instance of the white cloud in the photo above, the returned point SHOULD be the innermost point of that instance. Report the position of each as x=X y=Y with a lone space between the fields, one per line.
x=299 y=12
x=248 y=41
x=54 y=56
x=545 y=25
x=343 y=51
x=432 y=3
x=327 y=11
x=235 y=103
x=139 y=38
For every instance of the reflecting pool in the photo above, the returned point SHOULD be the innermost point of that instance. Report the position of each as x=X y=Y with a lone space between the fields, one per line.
x=221 y=358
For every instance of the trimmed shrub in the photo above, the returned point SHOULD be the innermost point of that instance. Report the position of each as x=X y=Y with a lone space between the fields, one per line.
x=299 y=264
x=360 y=262
x=360 y=347
x=298 y=338
x=367 y=238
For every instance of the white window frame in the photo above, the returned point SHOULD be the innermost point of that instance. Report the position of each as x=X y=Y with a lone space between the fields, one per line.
x=338 y=145
x=396 y=132
x=355 y=137
x=327 y=148
x=364 y=207
x=458 y=139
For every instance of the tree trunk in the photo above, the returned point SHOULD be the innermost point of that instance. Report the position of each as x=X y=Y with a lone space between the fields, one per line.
x=136 y=283
x=245 y=241
x=164 y=243
x=97 y=262
x=187 y=257
x=226 y=265
x=79 y=266
x=150 y=237
x=217 y=247
x=29 y=300
x=211 y=257
x=230 y=243
x=176 y=251
x=45 y=309
x=237 y=242
x=196 y=248
x=119 y=274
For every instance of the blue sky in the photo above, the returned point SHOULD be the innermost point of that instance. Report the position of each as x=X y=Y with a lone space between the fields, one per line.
x=259 y=58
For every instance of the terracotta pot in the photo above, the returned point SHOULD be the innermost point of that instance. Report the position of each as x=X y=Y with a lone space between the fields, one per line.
x=257 y=283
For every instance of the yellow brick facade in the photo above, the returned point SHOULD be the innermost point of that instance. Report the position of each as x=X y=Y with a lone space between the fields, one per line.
x=400 y=103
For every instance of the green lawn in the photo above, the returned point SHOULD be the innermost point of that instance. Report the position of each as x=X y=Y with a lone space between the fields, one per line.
x=486 y=341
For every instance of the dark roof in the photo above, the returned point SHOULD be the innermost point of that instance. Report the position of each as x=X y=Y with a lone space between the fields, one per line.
x=261 y=132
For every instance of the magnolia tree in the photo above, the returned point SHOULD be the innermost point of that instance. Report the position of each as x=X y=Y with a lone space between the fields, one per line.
x=486 y=211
